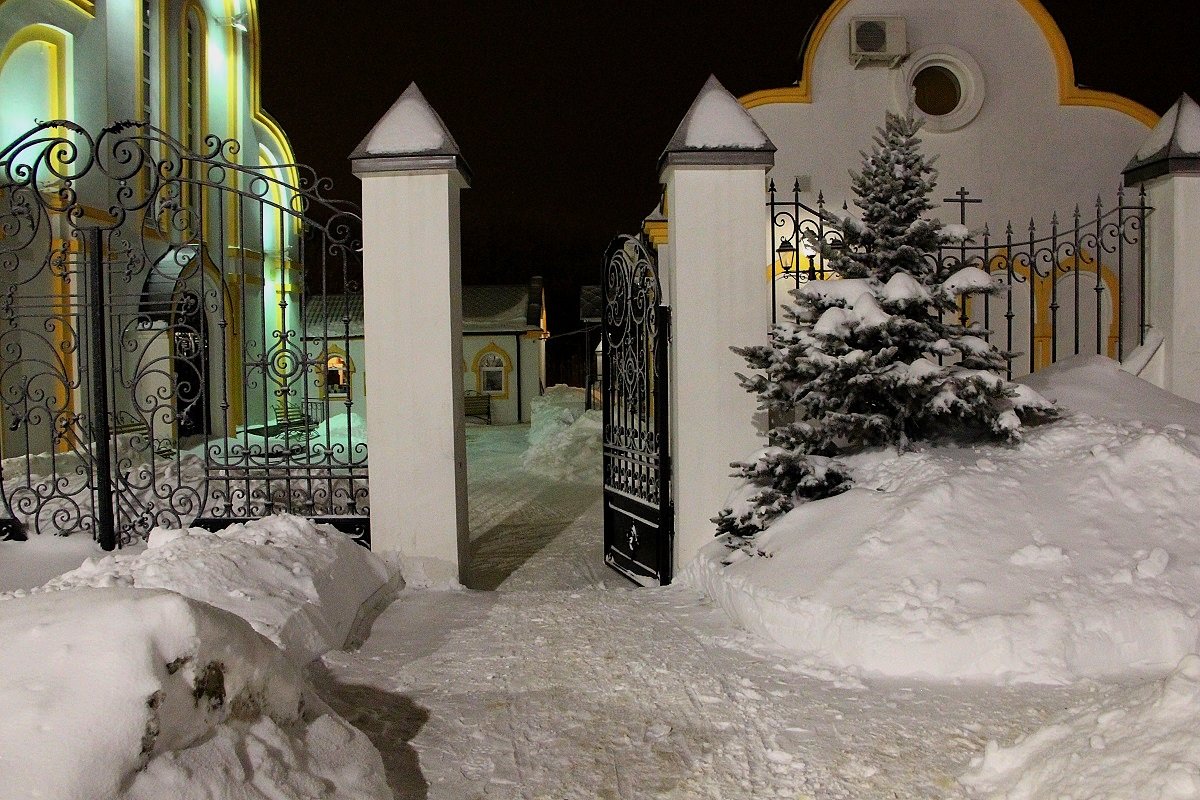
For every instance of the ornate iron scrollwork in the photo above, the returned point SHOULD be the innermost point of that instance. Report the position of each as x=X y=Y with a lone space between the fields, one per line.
x=184 y=274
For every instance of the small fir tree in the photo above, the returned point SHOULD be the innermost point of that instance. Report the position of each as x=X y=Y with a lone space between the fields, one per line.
x=855 y=362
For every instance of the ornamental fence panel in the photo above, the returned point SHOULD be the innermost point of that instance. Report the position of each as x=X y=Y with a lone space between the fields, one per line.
x=1069 y=287
x=180 y=337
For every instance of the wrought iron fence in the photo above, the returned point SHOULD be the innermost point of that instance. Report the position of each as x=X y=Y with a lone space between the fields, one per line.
x=1079 y=288
x=159 y=359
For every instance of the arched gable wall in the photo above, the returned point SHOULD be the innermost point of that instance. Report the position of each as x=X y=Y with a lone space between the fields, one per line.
x=1039 y=143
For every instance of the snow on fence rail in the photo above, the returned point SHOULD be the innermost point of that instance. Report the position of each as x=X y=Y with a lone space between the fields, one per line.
x=1078 y=289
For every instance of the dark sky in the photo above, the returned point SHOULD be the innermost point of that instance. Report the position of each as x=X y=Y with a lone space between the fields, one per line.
x=562 y=108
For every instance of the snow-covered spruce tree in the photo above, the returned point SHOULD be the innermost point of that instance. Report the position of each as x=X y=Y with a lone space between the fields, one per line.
x=856 y=359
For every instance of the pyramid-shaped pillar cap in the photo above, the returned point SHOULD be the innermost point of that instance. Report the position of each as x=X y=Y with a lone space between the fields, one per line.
x=1173 y=147
x=717 y=130
x=411 y=136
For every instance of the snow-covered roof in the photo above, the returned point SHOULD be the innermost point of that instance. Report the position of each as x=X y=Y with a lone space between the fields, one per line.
x=411 y=135
x=326 y=316
x=502 y=309
x=717 y=129
x=1173 y=145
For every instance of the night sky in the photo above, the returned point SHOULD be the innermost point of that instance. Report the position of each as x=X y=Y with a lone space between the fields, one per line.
x=562 y=109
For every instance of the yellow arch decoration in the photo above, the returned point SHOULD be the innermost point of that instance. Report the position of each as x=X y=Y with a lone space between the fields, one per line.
x=1042 y=298
x=508 y=367
x=1069 y=93
x=272 y=128
x=59 y=42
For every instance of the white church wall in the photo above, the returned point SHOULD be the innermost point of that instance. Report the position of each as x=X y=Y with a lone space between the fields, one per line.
x=1025 y=154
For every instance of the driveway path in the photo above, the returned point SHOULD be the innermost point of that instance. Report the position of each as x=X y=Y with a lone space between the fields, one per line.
x=568 y=683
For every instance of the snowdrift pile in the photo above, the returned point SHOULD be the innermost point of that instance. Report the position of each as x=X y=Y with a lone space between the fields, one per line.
x=1074 y=554
x=1141 y=742
x=177 y=671
x=298 y=584
x=132 y=693
x=564 y=439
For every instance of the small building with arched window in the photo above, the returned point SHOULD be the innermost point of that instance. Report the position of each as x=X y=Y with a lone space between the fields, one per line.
x=504 y=347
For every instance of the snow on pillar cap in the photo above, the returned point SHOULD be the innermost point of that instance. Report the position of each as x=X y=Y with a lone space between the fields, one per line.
x=718 y=130
x=1172 y=148
x=410 y=136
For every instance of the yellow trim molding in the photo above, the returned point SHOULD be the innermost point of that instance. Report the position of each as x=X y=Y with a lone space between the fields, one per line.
x=86 y=6
x=1069 y=93
x=256 y=110
x=657 y=231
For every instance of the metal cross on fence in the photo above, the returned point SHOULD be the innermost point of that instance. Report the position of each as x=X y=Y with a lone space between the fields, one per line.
x=961 y=200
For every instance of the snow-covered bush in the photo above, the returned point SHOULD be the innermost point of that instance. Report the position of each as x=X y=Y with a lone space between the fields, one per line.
x=856 y=361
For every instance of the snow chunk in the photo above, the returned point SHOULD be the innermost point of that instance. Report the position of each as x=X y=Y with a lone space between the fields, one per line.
x=834 y=322
x=1180 y=127
x=565 y=441
x=868 y=313
x=296 y=583
x=904 y=288
x=122 y=692
x=845 y=291
x=968 y=280
x=955 y=233
x=717 y=120
x=1136 y=742
x=410 y=127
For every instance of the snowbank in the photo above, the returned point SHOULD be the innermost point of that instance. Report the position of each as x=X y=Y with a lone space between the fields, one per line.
x=1142 y=742
x=565 y=441
x=1073 y=554
x=133 y=693
x=298 y=584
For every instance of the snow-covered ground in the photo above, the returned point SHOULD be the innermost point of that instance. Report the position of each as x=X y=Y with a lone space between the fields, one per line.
x=570 y=683
x=1074 y=554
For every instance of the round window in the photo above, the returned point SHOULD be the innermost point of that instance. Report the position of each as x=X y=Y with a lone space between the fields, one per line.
x=936 y=90
x=942 y=84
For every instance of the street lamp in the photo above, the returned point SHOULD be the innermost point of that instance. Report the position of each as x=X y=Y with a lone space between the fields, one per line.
x=787 y=255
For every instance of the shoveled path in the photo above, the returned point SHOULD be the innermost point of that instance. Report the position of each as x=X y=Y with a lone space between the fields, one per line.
x=568 y=683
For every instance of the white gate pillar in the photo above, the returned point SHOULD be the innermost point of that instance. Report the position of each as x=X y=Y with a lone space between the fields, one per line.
x=717 y=255
x=1168 y=165
x=412 y=173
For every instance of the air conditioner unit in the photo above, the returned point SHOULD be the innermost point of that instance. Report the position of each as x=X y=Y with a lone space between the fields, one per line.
x=878 y=39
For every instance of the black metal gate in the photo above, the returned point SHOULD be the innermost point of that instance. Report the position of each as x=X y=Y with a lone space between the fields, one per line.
x=638 y=515
x=169 y=321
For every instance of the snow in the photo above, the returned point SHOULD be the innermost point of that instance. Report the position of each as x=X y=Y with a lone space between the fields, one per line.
x=904 y=288
x=844 y=291
x=135 y=693
x=955 y=232
x=969 y=280
x=410 y=126
x=718 y=121
x=1160 y=137
x=298 y=584
x=1066 y=557
x=24 y=565
x=564 y=438
x=1074 y=551
x=1181 y=125
x=1187 y=132
x=1140 y=741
